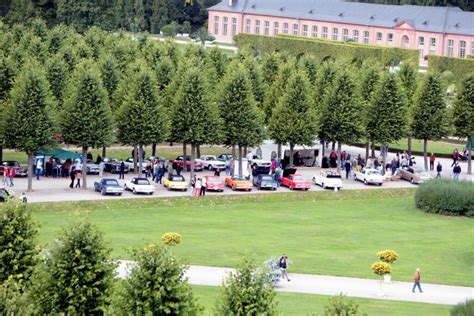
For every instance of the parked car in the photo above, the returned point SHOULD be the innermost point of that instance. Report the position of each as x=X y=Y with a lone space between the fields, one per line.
x=369 y=176
x=129 y=163
x=108 y=186
x=210 y=162
x=92 y=168
x=214 y=183
x=328 y=179
x=294 y=181
x=236 y=183
x=6 y=194
x=265 y=181
x=224 y=157
x=257 y=161
x=180 y=161
x=175 y=182
x=19 y=170
x=414 y=175
x=139 y=185
x=113 y=166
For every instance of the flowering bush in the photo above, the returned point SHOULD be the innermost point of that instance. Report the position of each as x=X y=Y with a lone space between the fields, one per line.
x=388 y=256
x=381 y=268
x=171 y=239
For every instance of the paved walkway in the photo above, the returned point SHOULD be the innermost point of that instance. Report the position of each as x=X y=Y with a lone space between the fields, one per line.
x=331 y=285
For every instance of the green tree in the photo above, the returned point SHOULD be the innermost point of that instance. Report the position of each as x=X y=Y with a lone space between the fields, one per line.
x=141 y=120
x=463 y=115
x=30 y=125
x=242 y=119
x=341 y=305
x=170 y=30
x=76 y=276
x=409 y=81
x=156 y=285
x=294 y=120
x=309 y=63
x=387 y=114
x=341 y=115
x=270 y=67
x=18 y=251
x=86 y=120
x=202 y=35
x=58 y=74
x=186 y=27
x=248 y=291
x=274 y=92
x=429 y=120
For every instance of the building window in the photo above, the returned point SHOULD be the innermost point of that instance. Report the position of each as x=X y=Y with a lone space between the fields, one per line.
x=379 y=36
x=422 y=54
x=305 y=30
x=295 y=29
x=276 y=28
x=366 y=37
x=216 y=25
x=285 y=28
x=450 y=48
x=224 y=29
x=432 y=46
x=257 y=27
x=462 y=49
x=472 y=48
x=315 y=31
x=335 y=34
x=234 y=26
x=325 y=32
x=267 y=28
x=390 y=38
x=247 y=25
x=421 y=41
x=345 y=35
x=355 y=35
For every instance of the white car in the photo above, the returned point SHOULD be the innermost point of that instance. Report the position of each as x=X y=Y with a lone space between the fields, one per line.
x=139 y=185
x=129 y=163
x=328 y=179
x=92 y=168
x=210 y=162
x=369 y=176
x=255 y=160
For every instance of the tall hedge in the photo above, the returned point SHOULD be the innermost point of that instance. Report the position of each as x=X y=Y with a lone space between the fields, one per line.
x=324 y=49
x=458 y=66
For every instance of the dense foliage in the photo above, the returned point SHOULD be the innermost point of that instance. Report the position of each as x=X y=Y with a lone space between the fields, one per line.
x=341 y=305
x=463 y=309
x=466 y=5
x=460 y=68
x=446 y=197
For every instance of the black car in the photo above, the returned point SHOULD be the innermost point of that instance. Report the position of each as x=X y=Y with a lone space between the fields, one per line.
x=113 y=166
x=265 y=181
x=6 y=194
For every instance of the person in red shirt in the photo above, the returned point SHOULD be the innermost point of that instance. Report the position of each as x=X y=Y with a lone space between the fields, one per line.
x=6 y=176
x=12 y=175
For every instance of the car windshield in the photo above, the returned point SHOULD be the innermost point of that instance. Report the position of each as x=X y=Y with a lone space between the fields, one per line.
x=177 y=178
x=299 y=178
x=420 y=172
x=10 y=163
x=213 y=180
x=111 y=182
x=267 y=178
x=239 y=179
x=143 y=182
x=372 y=172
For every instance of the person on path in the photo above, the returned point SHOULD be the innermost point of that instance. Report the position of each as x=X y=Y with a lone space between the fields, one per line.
x=283 y=265
x=12 y=176
x=347 y=167
x=6 y=176
x=78 y=177
x=178 y=169
x=417 y=280
x=101 y=168
x=203 y=186
x=456 y=172
x=122 y=170
x=432 y=161
x=39 y=168
x=439 y=169
x=455 y=157
x=72 y=175
x=227 y=167
x=197 y=187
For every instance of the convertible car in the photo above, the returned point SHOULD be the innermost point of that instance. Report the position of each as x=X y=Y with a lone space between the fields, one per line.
x=236 y=183
x=328 y=179
x=175 y=182
x=108 y=186
x=139 y=185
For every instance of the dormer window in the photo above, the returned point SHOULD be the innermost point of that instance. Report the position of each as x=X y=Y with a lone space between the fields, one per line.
x=372 y=17
x=457 y=25
x=425 y=22
x=311 y=11
x=395 y=20
x=253 y=6
x=341 y=14
x=282 y=9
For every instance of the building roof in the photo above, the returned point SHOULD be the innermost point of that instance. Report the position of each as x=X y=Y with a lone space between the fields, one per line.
x=422 y=18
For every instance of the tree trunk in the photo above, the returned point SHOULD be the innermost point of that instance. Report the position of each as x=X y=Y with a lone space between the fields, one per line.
x=233 y=152
x=135 y=158
x=30 y=172
x=153 y=149
x=367 y=149
x=409 y=146
x=323 y=151
x=339 y=152
x=140 y=159
x=84 y=168
x=1 y=152
x=245 y=151
x=193 y=152
x=384 y=158
x=291 y=155
x=198 y=151
x=104 y=152
x=425 y=153
x=469 y=161
x=185 y=164
x=373 y=150
x=240 y=162
x=279 y=151
x=333 y=146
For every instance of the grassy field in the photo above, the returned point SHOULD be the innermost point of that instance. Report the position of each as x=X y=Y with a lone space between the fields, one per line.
x=323 y=232
x=436 y=147
x=304 y=304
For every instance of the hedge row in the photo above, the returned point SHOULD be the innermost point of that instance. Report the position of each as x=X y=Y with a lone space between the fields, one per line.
x=459 y=67
x=324 y=49
x=446 y=197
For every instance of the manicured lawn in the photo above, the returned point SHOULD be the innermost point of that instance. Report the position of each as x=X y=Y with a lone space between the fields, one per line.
x=436 y=147
x=304 y=304
x=322 y=232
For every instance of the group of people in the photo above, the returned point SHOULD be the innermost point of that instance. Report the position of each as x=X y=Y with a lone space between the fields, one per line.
x=199 y=186
x=8 y=176
x=155 y=169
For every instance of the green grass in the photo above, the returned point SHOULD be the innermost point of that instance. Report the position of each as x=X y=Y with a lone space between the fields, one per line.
x=304 y=304
x=323 y=232
x=438 y=147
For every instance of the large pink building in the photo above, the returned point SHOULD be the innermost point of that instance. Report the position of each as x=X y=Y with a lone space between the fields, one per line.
x=444 y=31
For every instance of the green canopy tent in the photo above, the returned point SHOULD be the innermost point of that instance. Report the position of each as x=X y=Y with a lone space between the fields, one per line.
x=59 y=153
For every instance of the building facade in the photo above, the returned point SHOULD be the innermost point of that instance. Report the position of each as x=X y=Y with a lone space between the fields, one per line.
x=444 y=31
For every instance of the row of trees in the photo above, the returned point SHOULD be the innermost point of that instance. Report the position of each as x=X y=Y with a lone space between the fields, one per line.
x=466 y=5
x=95 y=89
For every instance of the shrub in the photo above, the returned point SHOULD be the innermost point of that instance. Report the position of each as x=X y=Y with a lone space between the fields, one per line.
x=171 y=239
x=460 y=67
x=381 y=268
x=273 y=271
x=341 y=305
x=463 y=309
x=446 y=197
x=388 y=256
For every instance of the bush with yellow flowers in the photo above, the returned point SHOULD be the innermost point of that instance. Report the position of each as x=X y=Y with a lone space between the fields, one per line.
x=381 y=268
x=388 y=256
x=171 y=239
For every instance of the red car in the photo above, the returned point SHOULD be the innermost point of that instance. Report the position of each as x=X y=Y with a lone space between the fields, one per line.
x=214 y=183
x=294 y=181
x=198 y=166
x=19 y=170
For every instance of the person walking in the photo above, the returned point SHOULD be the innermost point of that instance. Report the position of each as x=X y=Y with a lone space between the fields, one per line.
x=455 y=157
x=101 y=168
x=78 y=177
x=122 y=170
x=283 y=265
x=72 y=175
x=456 y=172
x=227 y=167
x=439 y=169
x=203 y=186
x=347 y=167
x=432 y=161
x=417 y=280
x=39 y=168
x=12 y=176
x=6 y=176
x=197 y=187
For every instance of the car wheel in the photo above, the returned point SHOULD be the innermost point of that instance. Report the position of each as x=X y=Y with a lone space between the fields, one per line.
x=134 y=191
x=102 y=192
x=365 y=182
x=380 y=184
x=120 y=194
x=323 y=186
x=209 y=167
x=151 y=193
x=274 y=189
x=259 y=187
x=233 y=188
x=168 y=188
x=290 y=187
x=412 y=181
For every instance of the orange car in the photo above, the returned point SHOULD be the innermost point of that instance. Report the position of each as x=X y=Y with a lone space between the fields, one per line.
x=236 y=183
